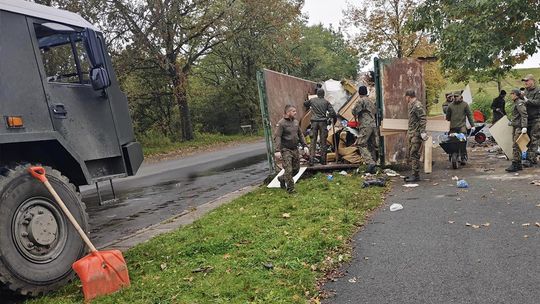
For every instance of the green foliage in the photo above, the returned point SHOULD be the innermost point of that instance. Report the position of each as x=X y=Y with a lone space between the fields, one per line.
x=233 y=242
x=480 y=38
x=324 y=54
x=482 y=102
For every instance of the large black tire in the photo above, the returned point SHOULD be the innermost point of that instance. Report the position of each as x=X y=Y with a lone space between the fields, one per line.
x=37 y=242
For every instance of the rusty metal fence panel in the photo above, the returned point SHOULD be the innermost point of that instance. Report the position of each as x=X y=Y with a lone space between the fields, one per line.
x=397 y=76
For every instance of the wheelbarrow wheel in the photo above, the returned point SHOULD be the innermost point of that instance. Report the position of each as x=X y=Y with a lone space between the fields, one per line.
x=454 y=159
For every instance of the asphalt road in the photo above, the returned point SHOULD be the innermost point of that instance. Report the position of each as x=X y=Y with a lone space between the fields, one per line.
x=163 y=189
x=426 y=253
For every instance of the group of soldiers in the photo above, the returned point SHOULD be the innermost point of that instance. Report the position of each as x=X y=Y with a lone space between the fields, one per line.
x=526 y=119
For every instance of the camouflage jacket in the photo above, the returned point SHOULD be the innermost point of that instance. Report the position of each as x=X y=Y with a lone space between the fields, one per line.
x=457 y=113
x=417 y=118
x=319 y=107
x=288 y=134
x=533 y=104
x=519 y=118
x=364 y=111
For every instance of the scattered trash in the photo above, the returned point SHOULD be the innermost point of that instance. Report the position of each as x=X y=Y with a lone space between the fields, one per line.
x=458 y=199
x=435 y=184
x=486 y=224
x=467 y=224
x=390 y=172
x=526 y=224
x=353 y=280
x=488 y=169
x=286 y=215
x=410 y=185
x=374 y=182
x=462 y=184
x=205 y=269
x=268 y=266
x=455 y=178
x=516 y=174
x=535 y=182
x=344 y=173
x=537 y=224
x=366 y=258
x=475 y=226
x=525 y=236
x=451 y=222
x=330 y=177
x=501 y=156
x=396 y=207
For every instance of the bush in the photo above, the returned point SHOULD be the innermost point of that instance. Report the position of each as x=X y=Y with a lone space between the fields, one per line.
x=482 y=102
x=154 y=139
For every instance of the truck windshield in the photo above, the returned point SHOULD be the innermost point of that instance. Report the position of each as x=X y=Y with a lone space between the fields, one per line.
x=64 y=55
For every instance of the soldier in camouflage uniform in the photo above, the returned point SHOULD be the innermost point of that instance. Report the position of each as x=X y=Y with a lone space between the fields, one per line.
x=321 y=110
x=532 y=101
x=519 y=122
x=416 y=133
x=288 y=136
x=364 y=111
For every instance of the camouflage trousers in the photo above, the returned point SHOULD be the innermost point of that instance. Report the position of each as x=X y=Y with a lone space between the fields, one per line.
x=318 y=129
x=534 y=133
x=516 y=151
x=291 y=164
x=414 y=144
x=367 y=144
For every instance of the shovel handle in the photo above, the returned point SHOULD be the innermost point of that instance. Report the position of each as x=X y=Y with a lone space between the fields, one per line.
x=39 y=173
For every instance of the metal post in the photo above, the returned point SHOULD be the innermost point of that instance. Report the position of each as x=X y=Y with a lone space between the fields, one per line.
x=380 y=106
x=263 y=99
x=99 y=194
x=112 y=189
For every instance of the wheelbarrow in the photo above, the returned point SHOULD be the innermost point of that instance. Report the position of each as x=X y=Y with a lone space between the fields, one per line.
x=456 y=148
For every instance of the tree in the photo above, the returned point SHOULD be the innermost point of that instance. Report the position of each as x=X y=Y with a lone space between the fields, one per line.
x=381 y=27
x=324 y=53
x=225 y=89
x=479 y=39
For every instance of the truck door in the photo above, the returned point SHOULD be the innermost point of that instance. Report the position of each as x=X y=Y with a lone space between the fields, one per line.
x=79 y=113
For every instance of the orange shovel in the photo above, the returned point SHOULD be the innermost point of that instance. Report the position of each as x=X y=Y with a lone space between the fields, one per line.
x=101 y=272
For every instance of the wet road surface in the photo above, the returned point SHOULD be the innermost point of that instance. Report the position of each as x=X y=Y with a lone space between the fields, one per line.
x=168 y=188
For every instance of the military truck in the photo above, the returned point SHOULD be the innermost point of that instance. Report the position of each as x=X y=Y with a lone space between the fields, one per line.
x=61 y=107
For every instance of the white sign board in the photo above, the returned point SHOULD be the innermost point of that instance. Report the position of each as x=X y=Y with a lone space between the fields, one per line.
x=502 y=133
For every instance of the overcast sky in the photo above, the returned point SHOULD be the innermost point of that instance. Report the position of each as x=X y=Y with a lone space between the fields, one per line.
x=321 y=11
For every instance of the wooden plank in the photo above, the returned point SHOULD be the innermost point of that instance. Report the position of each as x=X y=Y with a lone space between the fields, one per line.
x=522 y=141
x=502 y=133
x=275 y=182
x=433 y=125
x=428 y=155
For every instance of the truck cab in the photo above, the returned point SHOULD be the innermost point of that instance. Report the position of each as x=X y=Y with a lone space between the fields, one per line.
x=60 y=107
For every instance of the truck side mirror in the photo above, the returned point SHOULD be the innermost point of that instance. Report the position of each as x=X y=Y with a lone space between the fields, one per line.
x=99 y=76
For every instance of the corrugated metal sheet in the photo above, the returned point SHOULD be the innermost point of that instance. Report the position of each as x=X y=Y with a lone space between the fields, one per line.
x=399 y=75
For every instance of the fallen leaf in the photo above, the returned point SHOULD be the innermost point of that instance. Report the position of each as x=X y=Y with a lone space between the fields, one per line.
x=435 y=184
x=353 y=280
x=458 y=199
x=268 y=266
x=537 y=224
x=475 y=226
x=285 y=232
x=313 y=267
x=190 y=279
x=486 y=224
x=467 y=224
x=525 y=236
x=538 y=205
x=451 y=222
x=526 y=224
x=286 y=215
x=226 y=256
x=163 y=266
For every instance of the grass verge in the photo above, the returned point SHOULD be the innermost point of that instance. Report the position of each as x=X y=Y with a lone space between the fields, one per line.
x=225 y=257
x=158 y=146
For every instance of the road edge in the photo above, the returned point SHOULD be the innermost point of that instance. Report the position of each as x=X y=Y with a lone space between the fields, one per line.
x=180 y=220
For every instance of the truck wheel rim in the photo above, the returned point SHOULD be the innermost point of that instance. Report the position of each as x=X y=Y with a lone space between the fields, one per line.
x=39 y=230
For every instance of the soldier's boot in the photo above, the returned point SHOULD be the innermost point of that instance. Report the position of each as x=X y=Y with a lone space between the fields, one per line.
x=282 y=184
x=527 y=163
x=323 y=159
x=413 y=178
x=371 y=169
x=514 y=167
